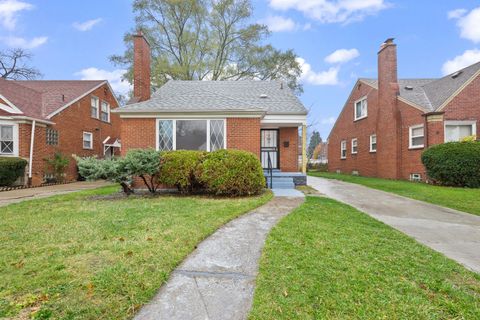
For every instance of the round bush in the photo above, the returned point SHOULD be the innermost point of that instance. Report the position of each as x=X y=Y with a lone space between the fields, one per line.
x=179 y=169
x=11 y=169
x=232 y=172
x=454 y=164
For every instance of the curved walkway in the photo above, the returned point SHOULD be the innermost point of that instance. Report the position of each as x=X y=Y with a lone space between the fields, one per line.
x=217 y=280
x=455 y=234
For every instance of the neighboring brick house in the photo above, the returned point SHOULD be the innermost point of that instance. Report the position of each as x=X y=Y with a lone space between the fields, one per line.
x=387 y=122
x=262 y=117
x=39 y=118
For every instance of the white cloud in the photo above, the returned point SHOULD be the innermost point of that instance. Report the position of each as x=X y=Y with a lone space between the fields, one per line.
x=328 y=121
x=329 y=11
x=9 y=10
x=19 y=42
x=114 y=77
x=469 y=23
x=342 y=56
x=459 y=62
x=328 y=77
x=279 y=23
x=457 y=13
x=87 y=25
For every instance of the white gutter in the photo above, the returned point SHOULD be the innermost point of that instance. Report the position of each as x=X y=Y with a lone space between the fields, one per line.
x=32 y=141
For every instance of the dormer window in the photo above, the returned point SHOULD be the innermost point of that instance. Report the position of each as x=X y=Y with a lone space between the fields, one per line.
x=360 y=109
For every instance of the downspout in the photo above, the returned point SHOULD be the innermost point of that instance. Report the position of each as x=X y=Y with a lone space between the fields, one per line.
x=32 y=141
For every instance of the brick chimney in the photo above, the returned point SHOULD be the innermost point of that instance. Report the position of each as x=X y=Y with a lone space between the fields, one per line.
x=141 y=67
x=388 y=124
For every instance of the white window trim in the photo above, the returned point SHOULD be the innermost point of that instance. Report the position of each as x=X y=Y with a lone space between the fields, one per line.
x=371 y=143
x=472 y=123
x=342 y=148
x=355 y=109
x=98 y=107
x=108 y=111
x=15 y=139
x=410 y=137
x=174 y=131
x=356 y=142
x=91 y=140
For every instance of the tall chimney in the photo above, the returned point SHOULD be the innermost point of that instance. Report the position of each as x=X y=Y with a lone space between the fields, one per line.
x=388 y=119
x=387 y=67
x=141 y=67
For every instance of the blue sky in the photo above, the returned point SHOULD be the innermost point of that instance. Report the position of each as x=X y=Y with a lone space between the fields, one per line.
x=337 y=41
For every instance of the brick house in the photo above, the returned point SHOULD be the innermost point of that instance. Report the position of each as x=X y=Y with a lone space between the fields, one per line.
x=39 y=118
x=387 y=122
x=262 y=117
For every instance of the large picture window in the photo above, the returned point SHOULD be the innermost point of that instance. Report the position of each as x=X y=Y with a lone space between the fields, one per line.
x=457 y=130
x=207 y=135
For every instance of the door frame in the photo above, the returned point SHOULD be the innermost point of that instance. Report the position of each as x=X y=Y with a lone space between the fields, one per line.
x=277 y=164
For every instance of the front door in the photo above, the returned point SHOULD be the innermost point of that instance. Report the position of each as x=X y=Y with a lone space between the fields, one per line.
x=269 y=147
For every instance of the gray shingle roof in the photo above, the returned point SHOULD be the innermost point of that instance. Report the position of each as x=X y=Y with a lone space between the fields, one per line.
x=431 y=94
x=200 y=96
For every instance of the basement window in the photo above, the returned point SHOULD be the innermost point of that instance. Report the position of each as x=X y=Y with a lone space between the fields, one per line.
x=201 y=134
x=361 y=109
x=415 y=177
x=416 y=137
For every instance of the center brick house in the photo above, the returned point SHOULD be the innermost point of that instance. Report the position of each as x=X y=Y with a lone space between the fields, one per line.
x=262 y=117
x=388 y=122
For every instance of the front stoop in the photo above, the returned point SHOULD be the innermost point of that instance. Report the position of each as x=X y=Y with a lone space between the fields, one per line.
x=285 y=180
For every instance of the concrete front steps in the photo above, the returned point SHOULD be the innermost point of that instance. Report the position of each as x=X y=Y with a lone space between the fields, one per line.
x=284 y=180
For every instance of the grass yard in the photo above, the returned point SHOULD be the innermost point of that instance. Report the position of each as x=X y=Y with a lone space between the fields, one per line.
x=327 y=260
x=462 y=199
x=75 y=257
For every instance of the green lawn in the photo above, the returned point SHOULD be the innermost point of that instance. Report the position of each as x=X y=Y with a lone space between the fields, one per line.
x=327 y=260
x=74 y=257
x=462 y=199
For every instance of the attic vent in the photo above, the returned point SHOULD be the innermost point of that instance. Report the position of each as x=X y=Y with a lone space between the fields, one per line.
x=263 y=96
x=63 y=97
x=408 y=87
x=456 y=74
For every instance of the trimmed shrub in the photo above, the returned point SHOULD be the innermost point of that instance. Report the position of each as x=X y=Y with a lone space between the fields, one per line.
x=454 y=164
x=11 y=169
x=144 y=163
x=179 y=169
x=232 y=172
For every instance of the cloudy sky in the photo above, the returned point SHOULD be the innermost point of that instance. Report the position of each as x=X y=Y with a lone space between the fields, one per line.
x=336 y=40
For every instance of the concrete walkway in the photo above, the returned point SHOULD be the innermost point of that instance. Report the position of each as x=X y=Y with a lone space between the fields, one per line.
x=453 y=233
x=14 y=196
x=217 y=280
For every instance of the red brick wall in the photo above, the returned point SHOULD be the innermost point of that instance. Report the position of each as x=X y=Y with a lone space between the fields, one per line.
x=137 y=134
x=244 y=134
x=141 y=67
x=347 y=129
x=289 y=155
x=70 y=123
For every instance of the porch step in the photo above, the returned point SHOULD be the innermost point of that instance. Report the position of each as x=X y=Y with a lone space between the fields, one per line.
x=281 y=183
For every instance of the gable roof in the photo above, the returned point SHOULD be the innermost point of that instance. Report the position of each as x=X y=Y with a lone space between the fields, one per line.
x=271 y=97
x=41 y=98
x=432 y=94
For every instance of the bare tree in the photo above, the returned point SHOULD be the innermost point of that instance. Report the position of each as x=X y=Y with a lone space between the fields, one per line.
x=13 y=65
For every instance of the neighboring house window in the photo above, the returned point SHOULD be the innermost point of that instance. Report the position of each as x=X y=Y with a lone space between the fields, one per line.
x=87 y=140
x=373 y=143
x=207 y=135
x=52 y=137
x=94 y=105
x=343 y=149
x=354 y=146
x=457 y=130
x=361 y=109
x=7 y=142
x=105 y=112
x=416 y=137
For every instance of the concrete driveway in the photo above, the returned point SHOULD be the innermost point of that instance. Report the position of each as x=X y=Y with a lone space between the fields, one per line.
x=455 y=234
x=14 y=196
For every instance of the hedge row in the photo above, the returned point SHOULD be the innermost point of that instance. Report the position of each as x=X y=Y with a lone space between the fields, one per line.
x=11 y=169
x=222 y=172
x=454 y=164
